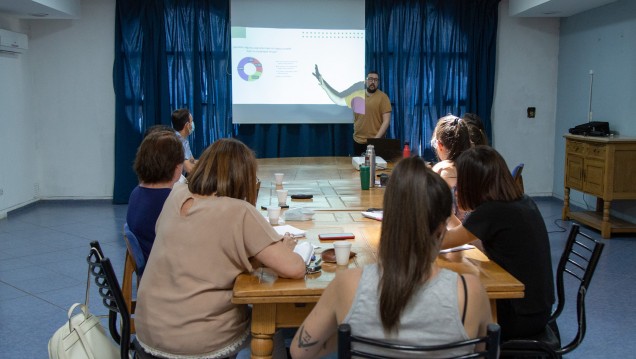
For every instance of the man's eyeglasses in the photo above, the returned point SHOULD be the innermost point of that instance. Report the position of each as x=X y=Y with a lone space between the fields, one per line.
x=373 y=79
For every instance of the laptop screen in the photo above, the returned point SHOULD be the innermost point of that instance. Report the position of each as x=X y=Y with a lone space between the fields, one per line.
x=388 y=148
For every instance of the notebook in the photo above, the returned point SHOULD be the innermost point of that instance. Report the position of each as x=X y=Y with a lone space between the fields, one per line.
x=388 y=148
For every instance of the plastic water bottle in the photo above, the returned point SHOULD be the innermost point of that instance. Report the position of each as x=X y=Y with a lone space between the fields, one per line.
x=406 y=152
x=371 y=155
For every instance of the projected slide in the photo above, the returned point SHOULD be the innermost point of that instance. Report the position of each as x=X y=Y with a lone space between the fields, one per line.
x=297 y=61
x=274 y=74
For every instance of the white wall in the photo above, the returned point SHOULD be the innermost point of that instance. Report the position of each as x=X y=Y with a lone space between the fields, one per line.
x=17 y=152
x=526 y=76
x=58 y=109
x=603 y=40
x=71 y=63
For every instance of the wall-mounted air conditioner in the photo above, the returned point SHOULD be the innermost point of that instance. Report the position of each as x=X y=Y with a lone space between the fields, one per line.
x=13 y=42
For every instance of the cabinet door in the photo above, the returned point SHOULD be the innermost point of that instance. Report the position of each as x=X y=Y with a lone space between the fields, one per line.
x=594 y=174
x=574 y=171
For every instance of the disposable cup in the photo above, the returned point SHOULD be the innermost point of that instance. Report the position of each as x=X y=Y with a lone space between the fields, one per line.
x=273 y=213
x=342 y=249
x=279 y=177
x=282 y=197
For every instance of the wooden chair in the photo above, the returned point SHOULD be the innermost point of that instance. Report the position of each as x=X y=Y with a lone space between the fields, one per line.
x=133 y=257
x=372 y=346
x=579 y=260
x=112 y=297
x=516 y=175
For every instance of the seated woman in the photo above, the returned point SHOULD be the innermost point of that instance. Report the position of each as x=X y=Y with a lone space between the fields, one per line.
x=208 y=233
x=513 y=234
x=158 y=165
x=450 y=139
x=405 y=297
x=476 y=129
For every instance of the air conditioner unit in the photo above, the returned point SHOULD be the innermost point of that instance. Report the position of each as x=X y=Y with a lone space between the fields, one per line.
x=13 y=42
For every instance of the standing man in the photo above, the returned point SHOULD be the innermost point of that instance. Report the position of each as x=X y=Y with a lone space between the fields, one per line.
x=184 y=126
x=375 y=121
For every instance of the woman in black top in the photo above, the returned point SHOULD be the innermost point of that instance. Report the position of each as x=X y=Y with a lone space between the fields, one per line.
x=513 y=235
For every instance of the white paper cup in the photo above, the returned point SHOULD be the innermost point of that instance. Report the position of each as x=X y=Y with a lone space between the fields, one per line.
x=279 y=177
x=342 y=249
x=273 y=213
x=282 y=197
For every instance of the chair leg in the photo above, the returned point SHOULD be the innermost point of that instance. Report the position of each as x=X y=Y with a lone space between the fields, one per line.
x=126 y=289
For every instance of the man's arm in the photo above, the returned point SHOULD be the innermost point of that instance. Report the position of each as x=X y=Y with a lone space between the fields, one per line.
x=386 y=119
x=188 y=165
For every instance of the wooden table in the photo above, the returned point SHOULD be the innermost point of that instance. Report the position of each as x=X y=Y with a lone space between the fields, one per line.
x=284 y=303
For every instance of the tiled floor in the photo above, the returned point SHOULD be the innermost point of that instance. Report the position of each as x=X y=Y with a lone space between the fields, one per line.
x=43 y=271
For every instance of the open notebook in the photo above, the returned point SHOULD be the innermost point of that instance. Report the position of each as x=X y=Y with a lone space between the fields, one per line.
x=295 y=232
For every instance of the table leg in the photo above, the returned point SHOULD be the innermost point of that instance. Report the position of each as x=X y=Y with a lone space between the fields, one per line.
x=566 y=204
x=606 y=227
x=493 y=310
x=263 y=329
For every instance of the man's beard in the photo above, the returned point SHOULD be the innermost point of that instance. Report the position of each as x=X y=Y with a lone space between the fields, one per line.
x=369 y=90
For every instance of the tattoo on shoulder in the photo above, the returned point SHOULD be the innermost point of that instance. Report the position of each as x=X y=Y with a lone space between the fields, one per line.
x=304 y=339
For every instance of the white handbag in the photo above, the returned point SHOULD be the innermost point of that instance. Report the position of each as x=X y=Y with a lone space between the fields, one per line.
x=82 y=337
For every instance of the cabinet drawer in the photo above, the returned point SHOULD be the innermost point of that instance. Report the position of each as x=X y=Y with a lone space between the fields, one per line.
x=575 y=147
x=596 y=151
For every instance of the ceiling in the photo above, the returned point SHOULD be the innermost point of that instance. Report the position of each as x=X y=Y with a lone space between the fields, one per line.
x=552 y=8
x=70 y=9
x=41 y=9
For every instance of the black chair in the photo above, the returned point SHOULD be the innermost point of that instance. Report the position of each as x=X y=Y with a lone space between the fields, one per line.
x=112 y=297
x=579 y=260
x=371 y=346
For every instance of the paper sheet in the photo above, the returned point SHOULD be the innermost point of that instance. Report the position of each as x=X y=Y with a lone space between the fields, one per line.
x=458 y=248
x=295 y=232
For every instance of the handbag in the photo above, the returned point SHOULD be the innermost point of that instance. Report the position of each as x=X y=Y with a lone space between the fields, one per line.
x=83 y=337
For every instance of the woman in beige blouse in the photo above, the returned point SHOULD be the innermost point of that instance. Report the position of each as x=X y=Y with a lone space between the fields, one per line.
x=208 y=233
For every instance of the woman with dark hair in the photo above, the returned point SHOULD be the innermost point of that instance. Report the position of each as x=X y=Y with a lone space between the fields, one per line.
x=208 y=233
x=512 y=233
x=158 y=165
x=405 y=297
x=450 y=139
x=476 y=130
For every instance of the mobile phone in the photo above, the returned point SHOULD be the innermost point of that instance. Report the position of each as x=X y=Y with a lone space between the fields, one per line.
x=331 y=236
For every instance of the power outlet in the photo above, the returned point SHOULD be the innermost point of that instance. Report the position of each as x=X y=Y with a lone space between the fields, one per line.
x=532 y=111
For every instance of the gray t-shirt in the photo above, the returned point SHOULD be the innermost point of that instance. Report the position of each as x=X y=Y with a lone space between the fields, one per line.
x=430 y=318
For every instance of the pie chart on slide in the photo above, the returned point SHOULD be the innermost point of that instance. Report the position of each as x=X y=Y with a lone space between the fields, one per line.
x=250 y=69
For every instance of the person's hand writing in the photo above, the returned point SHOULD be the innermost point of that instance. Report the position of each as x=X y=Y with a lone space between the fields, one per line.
x=289 y=241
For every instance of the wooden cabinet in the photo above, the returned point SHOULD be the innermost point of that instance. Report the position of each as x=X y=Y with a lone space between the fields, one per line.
x=604 y=167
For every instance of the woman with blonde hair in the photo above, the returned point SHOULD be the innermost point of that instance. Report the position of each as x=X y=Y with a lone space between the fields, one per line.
x=208 y=233
x=404 y=298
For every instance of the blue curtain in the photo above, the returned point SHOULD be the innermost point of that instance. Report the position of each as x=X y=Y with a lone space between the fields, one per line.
x=433 y=56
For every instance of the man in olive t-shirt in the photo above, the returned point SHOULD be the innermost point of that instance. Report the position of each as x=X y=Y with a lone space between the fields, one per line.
x=375 y=121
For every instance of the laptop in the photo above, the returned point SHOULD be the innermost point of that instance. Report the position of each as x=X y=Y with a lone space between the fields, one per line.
x=388 y=148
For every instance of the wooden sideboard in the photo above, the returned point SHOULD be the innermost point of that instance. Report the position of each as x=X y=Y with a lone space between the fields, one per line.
x=604 y=167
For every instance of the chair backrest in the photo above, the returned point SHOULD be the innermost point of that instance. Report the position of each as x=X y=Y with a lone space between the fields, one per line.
x=134 y=248
x=371 y=346
x=579 y=260
x=112 y=298
x=516 y=175
x=134 y=256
